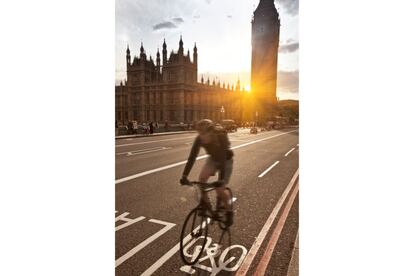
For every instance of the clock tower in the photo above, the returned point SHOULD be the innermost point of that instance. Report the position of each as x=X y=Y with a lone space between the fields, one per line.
x=265 y=45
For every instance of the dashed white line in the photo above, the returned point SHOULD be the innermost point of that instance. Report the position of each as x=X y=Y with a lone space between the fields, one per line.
x=268 y=169
x=287 y=153
x=124 y=179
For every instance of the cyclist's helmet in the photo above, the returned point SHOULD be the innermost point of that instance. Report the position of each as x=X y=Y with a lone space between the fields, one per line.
x=204 y=126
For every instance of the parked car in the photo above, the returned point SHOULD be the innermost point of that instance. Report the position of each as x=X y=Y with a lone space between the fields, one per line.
x=253 y=130
x=229 y=125
x=122 y=130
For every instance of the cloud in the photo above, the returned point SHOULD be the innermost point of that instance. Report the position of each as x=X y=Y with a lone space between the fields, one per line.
x=164 y=25
x=178 y=20
x=291 y=6
x=289 y=47
x=208 y=1
x=196 y=16
x=288 y=81
x=229 y=16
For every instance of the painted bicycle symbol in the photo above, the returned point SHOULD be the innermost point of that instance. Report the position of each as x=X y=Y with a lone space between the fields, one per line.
x=213 y=250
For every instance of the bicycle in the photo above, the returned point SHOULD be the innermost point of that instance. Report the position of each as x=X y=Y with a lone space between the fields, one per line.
x=198 y=220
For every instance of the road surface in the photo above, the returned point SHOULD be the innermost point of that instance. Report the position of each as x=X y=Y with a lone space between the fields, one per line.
x=151 y=205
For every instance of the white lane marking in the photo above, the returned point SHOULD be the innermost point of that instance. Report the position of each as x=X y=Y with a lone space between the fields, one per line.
x=146 y=151
x=268 y=169
x=287 y=153
x=154 y=141
x=170 y=253
x=266 y=227
x=263 y=139
x=124 y=179
x=264 y=262
x=127 y=221
x=121 y=180
x=237 y=140
x=137 y=248
x=172 y=139
x=212 y=252
x=141 y=151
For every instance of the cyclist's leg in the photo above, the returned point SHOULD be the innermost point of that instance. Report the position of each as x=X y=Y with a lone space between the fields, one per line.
x=222 y=193
x=208 y=170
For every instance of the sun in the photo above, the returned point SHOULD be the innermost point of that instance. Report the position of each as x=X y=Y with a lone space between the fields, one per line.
x=247 y=88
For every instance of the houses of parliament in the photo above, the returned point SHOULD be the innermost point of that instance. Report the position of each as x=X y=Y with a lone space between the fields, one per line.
x=168 y=89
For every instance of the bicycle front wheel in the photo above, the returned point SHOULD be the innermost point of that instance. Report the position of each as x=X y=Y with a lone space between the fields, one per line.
x=193 y=237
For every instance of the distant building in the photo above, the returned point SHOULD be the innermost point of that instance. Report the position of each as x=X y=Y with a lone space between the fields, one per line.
x=155 y=91
x=265 y=45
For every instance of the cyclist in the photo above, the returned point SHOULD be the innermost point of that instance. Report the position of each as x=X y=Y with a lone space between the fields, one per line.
x=215 y=141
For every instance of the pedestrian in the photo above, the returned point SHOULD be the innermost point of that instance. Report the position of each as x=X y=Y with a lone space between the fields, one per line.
x=151 y=126
x=156 y=124
x=166 y=125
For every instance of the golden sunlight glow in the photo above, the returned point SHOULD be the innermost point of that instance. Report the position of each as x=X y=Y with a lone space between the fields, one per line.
x=247 y=88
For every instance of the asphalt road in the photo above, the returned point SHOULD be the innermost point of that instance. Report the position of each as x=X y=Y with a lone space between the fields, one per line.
x=151 y=205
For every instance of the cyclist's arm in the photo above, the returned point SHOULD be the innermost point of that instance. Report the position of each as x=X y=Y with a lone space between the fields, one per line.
x=193 y=155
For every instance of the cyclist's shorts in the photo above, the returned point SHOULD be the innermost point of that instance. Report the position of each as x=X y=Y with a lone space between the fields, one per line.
x=227 y=172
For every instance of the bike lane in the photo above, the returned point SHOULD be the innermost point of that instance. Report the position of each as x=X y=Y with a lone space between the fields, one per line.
x=157 y=206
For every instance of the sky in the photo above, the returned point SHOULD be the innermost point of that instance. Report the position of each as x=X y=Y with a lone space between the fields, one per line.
x=221 y=29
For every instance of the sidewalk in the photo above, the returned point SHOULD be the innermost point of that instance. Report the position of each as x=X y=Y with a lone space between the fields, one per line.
x=294 y=261
x=154 y=134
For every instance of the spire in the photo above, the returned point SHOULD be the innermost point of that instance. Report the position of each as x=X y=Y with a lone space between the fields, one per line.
x=158 y=53
x=142 y=48
x=266 y=8
x=181 y=44
x=164 y=53
x=128 y=56
x=188 y=52
x=195 y=47
x=202 y=79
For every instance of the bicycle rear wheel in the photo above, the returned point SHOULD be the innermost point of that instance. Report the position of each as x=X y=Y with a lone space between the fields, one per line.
x=223 y=224
x=193 y=237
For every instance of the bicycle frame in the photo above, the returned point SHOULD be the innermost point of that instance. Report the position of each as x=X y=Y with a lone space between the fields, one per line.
x=206 y=206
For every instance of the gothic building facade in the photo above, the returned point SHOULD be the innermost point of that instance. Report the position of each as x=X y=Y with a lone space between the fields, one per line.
x=265 y=45
x=170 y=91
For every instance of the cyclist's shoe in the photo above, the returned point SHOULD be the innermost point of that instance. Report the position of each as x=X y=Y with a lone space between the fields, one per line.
x=184 y=180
